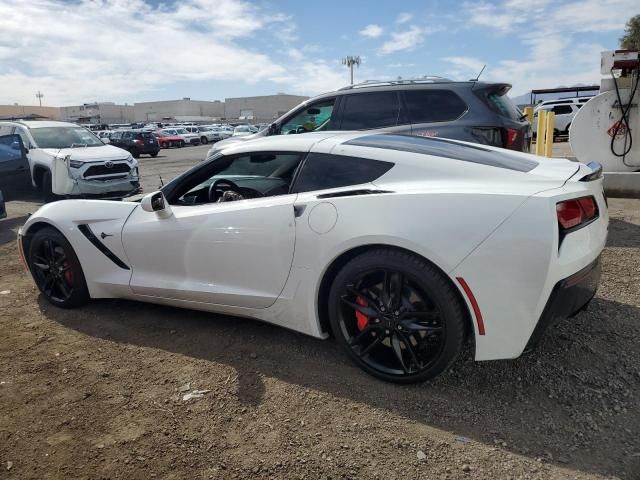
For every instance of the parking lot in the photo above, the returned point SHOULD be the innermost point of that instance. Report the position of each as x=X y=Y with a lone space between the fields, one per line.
x=97 y=392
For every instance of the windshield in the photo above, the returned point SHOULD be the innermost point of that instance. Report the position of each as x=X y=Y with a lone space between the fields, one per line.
x=181 y=131
x=64 y=137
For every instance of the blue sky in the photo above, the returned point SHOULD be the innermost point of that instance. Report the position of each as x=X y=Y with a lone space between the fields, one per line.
x=138 y=50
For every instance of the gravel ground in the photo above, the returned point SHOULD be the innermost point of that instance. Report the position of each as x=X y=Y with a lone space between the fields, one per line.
x=98 y=393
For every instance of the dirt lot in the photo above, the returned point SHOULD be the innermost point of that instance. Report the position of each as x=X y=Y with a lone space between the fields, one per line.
x=96 y=393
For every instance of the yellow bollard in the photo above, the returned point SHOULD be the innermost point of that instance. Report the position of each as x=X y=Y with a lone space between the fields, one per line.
x=540 y=132
x=528 y=111
x=548 y=145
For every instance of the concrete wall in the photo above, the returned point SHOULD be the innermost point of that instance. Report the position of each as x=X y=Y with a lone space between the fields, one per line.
x=98 y=113
x=264 y=109
x=51 y=113
x=156 y=111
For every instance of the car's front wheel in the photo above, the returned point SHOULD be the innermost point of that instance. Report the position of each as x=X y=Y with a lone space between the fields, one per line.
x=56 y=269
x=204 y=140
x=397 y=316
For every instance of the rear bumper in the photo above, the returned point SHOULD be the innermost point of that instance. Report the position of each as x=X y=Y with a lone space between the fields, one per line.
x=568 y=297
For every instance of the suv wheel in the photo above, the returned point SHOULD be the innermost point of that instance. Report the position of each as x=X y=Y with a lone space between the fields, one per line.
x=204 y=140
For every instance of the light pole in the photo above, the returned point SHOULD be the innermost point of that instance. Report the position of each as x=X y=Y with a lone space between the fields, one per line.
x=39 y=96
x=350 y=61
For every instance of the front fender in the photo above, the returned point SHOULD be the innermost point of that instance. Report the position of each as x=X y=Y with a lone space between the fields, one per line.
x=104 y=277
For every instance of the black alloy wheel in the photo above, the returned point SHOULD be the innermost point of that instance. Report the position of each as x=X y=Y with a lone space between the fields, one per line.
x=56 y=269
x=397 y=316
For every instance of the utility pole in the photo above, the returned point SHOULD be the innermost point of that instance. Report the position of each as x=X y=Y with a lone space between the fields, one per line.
x=39 y=96
x=350 y=61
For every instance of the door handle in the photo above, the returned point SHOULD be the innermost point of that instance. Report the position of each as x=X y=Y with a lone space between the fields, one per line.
x=298 y=210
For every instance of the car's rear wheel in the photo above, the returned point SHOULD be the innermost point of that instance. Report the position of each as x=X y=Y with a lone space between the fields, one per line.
x=204 y=140
x=154 y=154
x=397 y=316
x=56 y=269
x=181 y=144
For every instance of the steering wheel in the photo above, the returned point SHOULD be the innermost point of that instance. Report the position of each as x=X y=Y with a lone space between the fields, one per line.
x=224 y=185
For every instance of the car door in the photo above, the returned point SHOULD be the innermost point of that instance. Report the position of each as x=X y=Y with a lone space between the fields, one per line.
x=15 y=176
x=235 y=253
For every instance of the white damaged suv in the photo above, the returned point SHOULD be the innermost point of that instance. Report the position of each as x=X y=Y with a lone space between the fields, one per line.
x=69 y=160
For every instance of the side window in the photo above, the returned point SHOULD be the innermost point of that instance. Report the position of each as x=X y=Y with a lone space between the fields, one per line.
x=23 y=135
x=425 y=106
x=562 y=109
x=323 y=170
x=370 y=110
x=10 y=148
x=313 y=117
x=116 y=135
x=245 y=176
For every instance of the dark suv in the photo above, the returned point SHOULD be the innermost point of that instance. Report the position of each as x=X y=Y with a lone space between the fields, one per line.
x=136 y=142
x=472 y=111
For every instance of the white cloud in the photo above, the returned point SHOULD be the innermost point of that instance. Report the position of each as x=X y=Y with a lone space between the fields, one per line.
x=404 y=17
x=112 y=48
x=463 y=68
x=407 y=40
x=372 y=31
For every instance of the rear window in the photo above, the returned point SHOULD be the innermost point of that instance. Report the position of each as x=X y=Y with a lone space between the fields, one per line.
x=147 y=135
x=371 y=110
x=446 y=148
x=425 y=106
x=323 y=170
x=562 y=109
x=503 y=105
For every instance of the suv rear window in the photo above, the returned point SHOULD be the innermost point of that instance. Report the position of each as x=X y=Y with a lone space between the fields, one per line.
x=426 y=106
x=502 y=104
x=371 y=110
x=446 y=148
x=147 y=135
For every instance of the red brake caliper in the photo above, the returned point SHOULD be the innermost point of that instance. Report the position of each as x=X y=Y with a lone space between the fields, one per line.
x=361 y=318
x=68 y=274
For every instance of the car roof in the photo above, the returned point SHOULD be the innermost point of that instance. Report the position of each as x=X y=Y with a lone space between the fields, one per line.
x=44 y=123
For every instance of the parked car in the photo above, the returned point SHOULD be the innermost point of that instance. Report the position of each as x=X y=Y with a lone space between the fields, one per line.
x=336 y=224
x=478 y=112
x=15 y=177
x=136 y=142
x=188 y=137
x=168 y=140
x=242 y=130
x=208 y=134
x=3 y=208
x=67 y=159
x=564 y=111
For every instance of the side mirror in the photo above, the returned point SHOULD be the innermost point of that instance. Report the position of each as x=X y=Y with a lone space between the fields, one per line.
x=155 y=202
x=105 y=140
x=273 y=129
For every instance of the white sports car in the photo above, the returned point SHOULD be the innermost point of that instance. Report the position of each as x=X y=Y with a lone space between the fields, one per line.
x=400 y=247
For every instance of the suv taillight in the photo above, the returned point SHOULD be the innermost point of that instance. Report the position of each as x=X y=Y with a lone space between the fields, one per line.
x=510 y=137
x=139 y=141
x=576 y=213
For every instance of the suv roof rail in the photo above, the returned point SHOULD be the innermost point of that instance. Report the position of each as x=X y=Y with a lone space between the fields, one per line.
x=403 y=81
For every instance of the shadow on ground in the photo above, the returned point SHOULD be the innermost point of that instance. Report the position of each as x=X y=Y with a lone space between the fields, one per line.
x=623 y=234
x=563 y=402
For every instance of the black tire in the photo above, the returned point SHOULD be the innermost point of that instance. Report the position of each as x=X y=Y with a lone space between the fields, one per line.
x=50 y=250
x=154 y=154
x=47 y=188
x=181 y=144
x=380 y=344
x=204 y=140
x=134 y=153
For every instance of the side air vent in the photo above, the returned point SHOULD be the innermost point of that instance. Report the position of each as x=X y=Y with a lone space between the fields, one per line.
x=86 y=231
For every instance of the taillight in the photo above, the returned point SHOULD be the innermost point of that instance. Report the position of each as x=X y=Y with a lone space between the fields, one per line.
x=139 y=141
x=510 y=137
x=576 y=212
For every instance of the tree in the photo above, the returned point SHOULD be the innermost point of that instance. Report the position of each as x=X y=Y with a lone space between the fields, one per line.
x=631 y=38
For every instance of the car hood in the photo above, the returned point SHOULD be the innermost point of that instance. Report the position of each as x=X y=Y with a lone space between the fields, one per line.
x=89 y=154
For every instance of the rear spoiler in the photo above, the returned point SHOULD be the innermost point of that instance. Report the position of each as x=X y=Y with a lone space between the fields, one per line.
x=596 y=172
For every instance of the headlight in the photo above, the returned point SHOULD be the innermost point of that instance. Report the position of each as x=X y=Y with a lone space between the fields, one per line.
x=76 y=163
